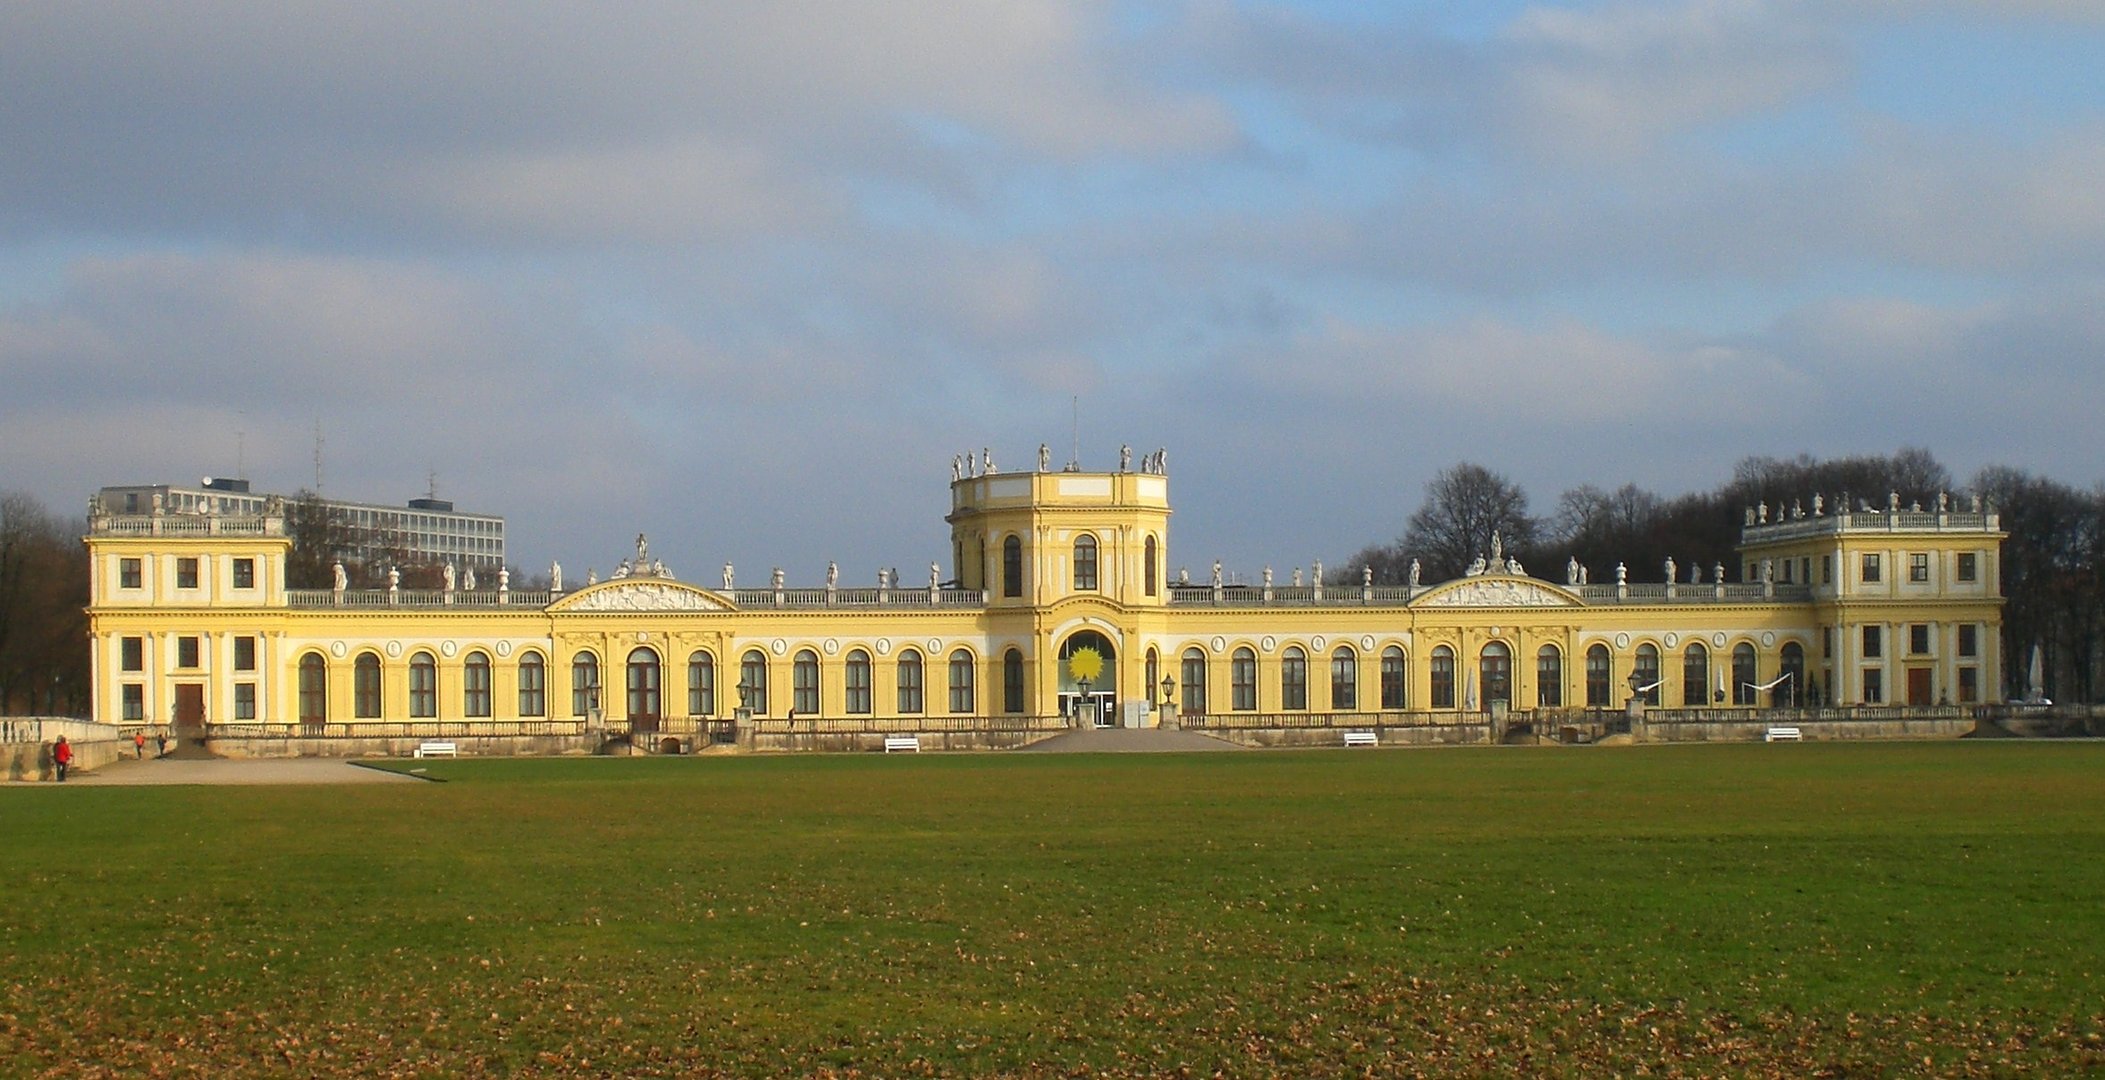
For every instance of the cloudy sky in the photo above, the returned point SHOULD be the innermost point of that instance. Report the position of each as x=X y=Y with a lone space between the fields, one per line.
x=746 y=276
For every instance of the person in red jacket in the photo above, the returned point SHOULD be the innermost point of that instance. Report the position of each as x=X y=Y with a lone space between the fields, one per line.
x=62 y=756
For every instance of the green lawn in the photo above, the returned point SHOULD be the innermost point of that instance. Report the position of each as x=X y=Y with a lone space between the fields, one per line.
x=1857 y=910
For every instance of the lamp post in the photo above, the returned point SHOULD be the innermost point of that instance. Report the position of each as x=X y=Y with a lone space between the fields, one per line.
x=745 y=699
x=1083 y=703
x=1169 y=698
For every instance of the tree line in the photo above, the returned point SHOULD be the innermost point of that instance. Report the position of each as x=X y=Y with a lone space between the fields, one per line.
x=2053 y=563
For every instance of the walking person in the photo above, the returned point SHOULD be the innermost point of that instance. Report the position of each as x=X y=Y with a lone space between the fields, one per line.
x=62 y=756
x=139 y=745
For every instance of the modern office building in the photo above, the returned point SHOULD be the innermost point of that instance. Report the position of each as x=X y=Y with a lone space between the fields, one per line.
x=424 y=530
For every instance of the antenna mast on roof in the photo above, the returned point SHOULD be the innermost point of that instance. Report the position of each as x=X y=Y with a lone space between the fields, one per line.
x=1075 y=404
x=431 y=482
x=317 y=455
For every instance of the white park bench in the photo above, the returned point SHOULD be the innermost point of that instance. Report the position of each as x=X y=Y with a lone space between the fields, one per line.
x=902 y=742
x=1783 y=734
x=1362 y=738
x=436 y=749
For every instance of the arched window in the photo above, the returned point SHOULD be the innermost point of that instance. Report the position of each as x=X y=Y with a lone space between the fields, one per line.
x=1242 y=680
x=584 y=684
x=752 y=681
x=1194 y=699
x=1442 y=671
x=1646 y=671
x=701 y=684
x=910 y=682
x=962 y=699
x=1549 y=677
x=475 y=685
x=314 y=689
x=1599 y=672
x=1495 y=669
x=365 y=687
x=1743 y=674
x=1154 y=674
x=423 y=686
x=1293 y=679
x=1392 y=679
x=1012 y=682
x=1012 y=567
x=1793 y=689
x=804 y=683
x=1085 y=563
x=857 y=684
x=1344 y=679
x=533 y=684
x=1148 y=570
x=1695 y=675
x=645 y=700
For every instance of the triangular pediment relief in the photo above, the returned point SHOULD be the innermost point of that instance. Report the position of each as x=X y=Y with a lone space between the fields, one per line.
x=630 y=594
x=1497 y=590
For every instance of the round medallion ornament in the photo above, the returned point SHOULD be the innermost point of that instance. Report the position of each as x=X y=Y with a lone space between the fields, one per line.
x=1717 y=640
x=1622 y=641
x=1220 y=644
x=1315 y=644
x=1673 y=640
x=935 y=646
x=394 y=649
x=831 y=645
x=1268 y=643
x=337 y=649
x=779 y=646
x=504 y=648
x=884 y=646
x=447 y=649
x=1366 y=644
x=1768 y=639
x=641 y=635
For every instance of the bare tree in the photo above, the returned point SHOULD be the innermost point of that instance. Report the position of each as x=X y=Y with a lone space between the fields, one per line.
x=1464 y=506
x=43 y=602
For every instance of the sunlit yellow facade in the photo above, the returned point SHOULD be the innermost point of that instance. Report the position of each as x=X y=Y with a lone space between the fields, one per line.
x=1056 y=602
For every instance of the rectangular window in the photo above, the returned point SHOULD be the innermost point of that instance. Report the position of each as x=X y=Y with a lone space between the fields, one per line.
x=244 y=573
x=1293 y=682
x=858 y=686
x=134 y=653
x=134 y=701
x=1871 y=569
x=1969 y=685
x=244 y=701
x=1918 y=639
x=1969 y=566
x=244 y=654
x=1969 y=640
x=128 y=575
x=1918 y=566
x=961 y=695
x=1874 y=686
x=1827 y=643
x=186 y=573
x=1242 y=681
x=1827 y=569
x=533 y=687
x=910 y=684
x=186 y=652
x=1874 y=642
x=1392 y=679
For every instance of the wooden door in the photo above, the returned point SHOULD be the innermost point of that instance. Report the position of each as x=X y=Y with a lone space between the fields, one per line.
x=1918 y=686
x=190 y=708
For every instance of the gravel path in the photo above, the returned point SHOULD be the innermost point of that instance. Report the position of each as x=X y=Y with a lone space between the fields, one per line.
x=236 y=771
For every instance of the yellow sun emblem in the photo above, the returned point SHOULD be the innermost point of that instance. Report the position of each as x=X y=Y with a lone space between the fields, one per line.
x=1085 y=664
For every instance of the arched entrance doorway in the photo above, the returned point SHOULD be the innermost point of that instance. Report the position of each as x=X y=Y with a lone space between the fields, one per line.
x=644 y=699
x=1089 y=680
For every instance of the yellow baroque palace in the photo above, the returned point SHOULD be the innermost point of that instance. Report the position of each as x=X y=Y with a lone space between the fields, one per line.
x=1057 y=610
